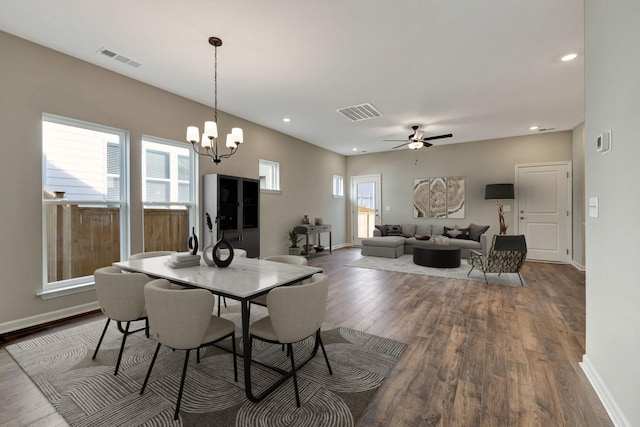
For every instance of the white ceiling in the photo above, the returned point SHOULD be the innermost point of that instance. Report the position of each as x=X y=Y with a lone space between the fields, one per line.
x=477 y=69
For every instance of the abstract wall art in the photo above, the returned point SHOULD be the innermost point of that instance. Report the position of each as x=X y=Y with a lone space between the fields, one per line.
x=439 y=197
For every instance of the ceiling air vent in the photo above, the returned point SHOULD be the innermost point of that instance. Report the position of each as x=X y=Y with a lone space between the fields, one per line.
x=119 y=58
x=108 y=53
x=355 y=113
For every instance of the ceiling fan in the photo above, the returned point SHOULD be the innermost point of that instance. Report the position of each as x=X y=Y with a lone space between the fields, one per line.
x=417 y=139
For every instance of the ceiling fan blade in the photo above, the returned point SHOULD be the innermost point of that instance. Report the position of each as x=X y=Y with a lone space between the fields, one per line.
x=395 y=140
x=401 y=145
x=429 y=138
x=427 y=144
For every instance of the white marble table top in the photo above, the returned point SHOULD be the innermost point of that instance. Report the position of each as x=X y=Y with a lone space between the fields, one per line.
x=244 y=278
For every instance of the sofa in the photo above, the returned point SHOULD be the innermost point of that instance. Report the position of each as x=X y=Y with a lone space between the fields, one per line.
x=392 y=241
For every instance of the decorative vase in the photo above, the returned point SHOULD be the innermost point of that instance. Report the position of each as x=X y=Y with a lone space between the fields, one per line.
x=207 y=251
x=222 y=244
x=295 y=250
x=192 y=243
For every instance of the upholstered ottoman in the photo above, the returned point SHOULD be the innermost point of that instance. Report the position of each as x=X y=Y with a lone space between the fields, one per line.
x=440 y=256
x=387 y=246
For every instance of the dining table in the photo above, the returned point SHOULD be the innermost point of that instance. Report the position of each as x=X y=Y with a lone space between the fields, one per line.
x=243 y=280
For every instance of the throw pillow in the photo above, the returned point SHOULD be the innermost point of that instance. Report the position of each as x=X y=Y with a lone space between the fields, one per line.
x=441 y=240
x=408 y=230
x=456 y=233
x=382 y=229
x=394 y=230
x=475 y=231
x=422 y=237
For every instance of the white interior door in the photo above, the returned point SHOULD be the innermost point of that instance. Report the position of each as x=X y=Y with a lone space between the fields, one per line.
x=365 y=202
x=544 y=215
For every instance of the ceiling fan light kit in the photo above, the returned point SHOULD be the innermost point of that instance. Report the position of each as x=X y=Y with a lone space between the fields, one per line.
x=417 y=139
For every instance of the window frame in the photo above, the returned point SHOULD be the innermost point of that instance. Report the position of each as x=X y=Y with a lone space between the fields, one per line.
x=192 y=205
x=274 y=168
x=78 y=284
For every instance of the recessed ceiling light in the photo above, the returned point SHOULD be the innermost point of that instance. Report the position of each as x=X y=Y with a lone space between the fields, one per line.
x=354 y=149
x=533 y=128
x=286 y=120
x=569 y=57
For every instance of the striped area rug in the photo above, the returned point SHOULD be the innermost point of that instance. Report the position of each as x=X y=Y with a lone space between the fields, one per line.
x=86 y=393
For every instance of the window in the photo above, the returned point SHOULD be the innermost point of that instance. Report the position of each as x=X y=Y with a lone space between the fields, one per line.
x=85 y=200
x=269 y=175
x=338 y=186
x=169 y=190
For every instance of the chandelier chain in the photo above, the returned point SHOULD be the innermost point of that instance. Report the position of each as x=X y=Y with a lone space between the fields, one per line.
x=215 y=83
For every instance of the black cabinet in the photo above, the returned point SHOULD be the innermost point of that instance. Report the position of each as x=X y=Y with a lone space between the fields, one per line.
x=236 y=203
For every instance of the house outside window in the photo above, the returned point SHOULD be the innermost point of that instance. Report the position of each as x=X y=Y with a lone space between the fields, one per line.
x=269 y=175
x=169 y=193
x=85 y=202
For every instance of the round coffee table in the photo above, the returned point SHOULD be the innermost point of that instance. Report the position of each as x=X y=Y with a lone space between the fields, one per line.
x=439 y=256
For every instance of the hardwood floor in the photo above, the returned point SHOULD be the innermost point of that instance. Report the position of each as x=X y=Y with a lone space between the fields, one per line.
x=477 y=355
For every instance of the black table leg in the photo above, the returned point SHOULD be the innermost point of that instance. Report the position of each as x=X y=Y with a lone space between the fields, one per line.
x=246 y=350
x=246 y=358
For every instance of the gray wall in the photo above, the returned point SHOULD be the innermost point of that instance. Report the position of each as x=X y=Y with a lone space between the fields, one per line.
x=36 y=80
x=612 y=67
x=481 y=163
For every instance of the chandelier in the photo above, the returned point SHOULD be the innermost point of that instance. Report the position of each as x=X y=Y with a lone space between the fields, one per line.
x=210 y=135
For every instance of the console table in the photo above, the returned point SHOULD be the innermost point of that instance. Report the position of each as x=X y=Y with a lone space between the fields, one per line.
x=313 y=230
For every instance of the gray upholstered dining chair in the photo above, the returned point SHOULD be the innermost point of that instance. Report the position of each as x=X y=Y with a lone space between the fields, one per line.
x=285 y=259
x=150 y=254
x=182 y=320
x=295 y=313
x=153 y=254
x=121 y=298
x=224 y=252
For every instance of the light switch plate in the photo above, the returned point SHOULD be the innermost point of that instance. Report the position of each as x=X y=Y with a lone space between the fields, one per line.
x=593 y=207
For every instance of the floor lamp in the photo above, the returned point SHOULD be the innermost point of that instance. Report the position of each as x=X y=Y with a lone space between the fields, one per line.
x=499 y=192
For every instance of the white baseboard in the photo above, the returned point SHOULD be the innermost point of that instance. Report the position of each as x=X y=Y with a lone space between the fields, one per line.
x=615 y=413
x=39 y=319
x=342 y=245
x=577 y=266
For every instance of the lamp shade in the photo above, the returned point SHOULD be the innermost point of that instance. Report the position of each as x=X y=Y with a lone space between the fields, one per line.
x=499 y=191
x=237 y=135
x=230 y=143
x=211 y=129
x=193 y=134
